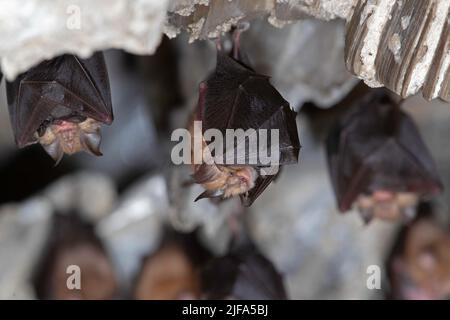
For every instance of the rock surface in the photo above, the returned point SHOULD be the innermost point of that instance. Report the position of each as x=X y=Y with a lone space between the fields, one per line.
x=35 y=30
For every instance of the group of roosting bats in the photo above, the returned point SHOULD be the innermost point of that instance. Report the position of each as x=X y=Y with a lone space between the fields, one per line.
x=376 y=158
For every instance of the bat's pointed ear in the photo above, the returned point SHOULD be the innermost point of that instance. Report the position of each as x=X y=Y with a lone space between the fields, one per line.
x=366 y=215
x=54 y=150
x=209 y=194
x=91 y=142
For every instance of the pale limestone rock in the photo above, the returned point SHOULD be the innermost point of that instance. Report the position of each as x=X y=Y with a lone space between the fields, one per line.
x=134 y=228
x=305 y=60
x=403 y=45
x=90 y=194
x=34 y=30
x=24 y=229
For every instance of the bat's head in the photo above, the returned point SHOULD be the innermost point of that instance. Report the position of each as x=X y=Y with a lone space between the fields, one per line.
x=70 y=136
x=167 y=275
x=97 y=280
x=423 y=269
x=387 y=205
x=225 y=181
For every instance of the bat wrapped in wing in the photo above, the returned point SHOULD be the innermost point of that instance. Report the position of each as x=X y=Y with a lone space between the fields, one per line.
x=61 y=104
x=237 y=99
x=378 y=160
x=244 y=275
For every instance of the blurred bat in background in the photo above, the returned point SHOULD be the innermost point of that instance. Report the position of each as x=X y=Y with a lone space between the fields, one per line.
x=61 y=104
x=169 y=274
x=74 y=243
x=243 y=274
x=377 y=159
x=172 y=271
x=236 y=97
x=420 y=268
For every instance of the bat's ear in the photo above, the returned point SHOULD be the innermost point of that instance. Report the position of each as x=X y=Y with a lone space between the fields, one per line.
x=91 y=142
x=209 y=194
x=54 y=150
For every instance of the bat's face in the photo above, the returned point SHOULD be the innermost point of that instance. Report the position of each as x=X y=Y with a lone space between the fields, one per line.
x=70 y=136
x=60 y=104
x=423 y=270
x=387 y=205
x=225 y=181
x=378 y=161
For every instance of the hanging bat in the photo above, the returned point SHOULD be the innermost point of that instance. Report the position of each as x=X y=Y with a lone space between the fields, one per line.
x=74 y=243
x=169 y=274
x=172 y=271
x=61 y=104
x=377 y=159
x=420 y=269
x=242 y=275
x=236 y=97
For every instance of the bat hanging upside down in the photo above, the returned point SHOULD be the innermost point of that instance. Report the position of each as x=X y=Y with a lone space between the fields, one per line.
x=236 y=97
x=420 y=270
x=378 y=161
x=61 y=104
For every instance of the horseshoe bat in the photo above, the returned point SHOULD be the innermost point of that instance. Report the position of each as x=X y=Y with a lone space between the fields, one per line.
x=244 y=275
x=74 y=242
x=236 y=97
x=419 y=267
x=377 y=159
x=61 y=104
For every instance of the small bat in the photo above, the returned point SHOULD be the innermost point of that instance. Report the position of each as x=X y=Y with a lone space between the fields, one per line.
x=244 y=275
x=420 y=267
x=377 y=159
x=169 y=274
x=172 y=271
x=75 y=243
x=236 y=97
x=61 y=104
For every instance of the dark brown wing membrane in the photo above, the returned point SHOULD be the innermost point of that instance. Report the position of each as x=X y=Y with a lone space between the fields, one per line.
x=242 y=276
x=261 y=183
x=376 y=145
x=238 y=98
x=55 y=88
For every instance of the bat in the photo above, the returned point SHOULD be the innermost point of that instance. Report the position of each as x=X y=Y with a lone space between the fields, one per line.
x=61 y=104
x=377 y=159
x=172 y=271
x=169 y=274
x=74 y=243
x=236 y=97
x=244 y=275
x=420 y=267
